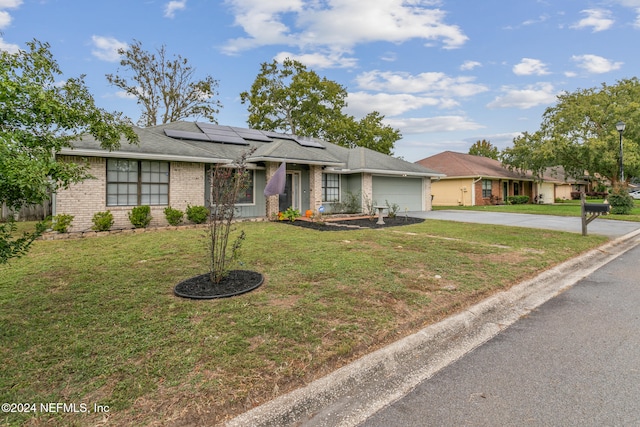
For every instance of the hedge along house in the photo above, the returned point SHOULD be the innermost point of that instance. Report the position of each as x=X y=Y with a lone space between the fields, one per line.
x=170 y=167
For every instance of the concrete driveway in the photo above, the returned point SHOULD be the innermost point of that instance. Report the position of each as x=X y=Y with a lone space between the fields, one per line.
x=605 y=227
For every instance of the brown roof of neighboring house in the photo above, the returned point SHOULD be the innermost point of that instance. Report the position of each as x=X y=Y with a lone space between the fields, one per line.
x=459 y=165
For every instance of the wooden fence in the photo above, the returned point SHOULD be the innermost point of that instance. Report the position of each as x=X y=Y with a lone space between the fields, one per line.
x=27 y=213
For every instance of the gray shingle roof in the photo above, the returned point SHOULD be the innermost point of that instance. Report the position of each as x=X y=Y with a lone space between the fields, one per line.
x=155 y=144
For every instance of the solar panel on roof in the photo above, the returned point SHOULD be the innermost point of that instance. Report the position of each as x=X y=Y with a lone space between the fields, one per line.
x=308 y=142
x=279 y=135
x=226 y=138
x=252 y=134
x=221 y=134
x=204 y=126
x=183 y=134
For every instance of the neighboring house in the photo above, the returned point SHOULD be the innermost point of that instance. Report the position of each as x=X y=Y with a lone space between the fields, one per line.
x=475 y=181
x=556 y=185
x=170 y=165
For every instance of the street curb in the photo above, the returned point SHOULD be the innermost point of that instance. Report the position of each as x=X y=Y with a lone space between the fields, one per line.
x=349 y=395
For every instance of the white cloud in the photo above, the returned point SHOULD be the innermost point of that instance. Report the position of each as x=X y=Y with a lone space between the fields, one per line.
x=171 y=8
x=319 y=60
x=596 y=64
x=597 y=19
x=362 y=103
x=124 y=95
x=419 y=125
x=470 y=65
x=10 y=4
x=5 y=17
x=432 y=83
x=529 y=66
x=538 y=20
x=389 y=57
x=339 y=24
x=9 y=47
x=531 y=96
x=635 y=5
x=106 y=48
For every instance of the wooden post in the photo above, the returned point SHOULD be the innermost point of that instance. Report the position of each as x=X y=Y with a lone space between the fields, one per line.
x=583 y=214
x=594 y=210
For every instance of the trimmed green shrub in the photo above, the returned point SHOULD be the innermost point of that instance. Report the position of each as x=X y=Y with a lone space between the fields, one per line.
x=102 y=221
x=621 y=202
x=61 y=222
x=291 y=214
x=174 y=216
x=197 y=214
x=518 y=200
x=140 y=216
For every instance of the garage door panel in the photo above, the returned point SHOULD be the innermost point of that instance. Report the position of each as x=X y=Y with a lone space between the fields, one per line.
x=405 y=192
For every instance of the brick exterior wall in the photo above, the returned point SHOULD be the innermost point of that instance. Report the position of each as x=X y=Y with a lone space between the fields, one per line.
x=272 y=202
x=83 y=200
x=315 y=187
x=186 y=185
x=495 y=191
x=427 y=203
x=367 y=191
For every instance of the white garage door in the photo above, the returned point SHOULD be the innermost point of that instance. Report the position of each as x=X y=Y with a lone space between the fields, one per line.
x=405 y=192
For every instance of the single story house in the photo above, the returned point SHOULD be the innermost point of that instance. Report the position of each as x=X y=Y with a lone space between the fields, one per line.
x=475 y=181
x=169 y=167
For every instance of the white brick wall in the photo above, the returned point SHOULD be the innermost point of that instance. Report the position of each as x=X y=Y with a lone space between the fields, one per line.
x=315 y=187
x=83 y=200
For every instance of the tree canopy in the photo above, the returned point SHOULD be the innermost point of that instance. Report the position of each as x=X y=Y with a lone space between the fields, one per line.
x=579 y=133
x=484 y=148
x=290 y=98
x=38 y=117
x=166 y=89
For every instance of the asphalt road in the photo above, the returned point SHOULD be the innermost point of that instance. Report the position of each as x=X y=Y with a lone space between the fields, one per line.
x=574 y=361
x=610 y=228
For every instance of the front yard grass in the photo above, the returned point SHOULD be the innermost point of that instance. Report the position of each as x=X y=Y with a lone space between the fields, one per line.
x=94 y=321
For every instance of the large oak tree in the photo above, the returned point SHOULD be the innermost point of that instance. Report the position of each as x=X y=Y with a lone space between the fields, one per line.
x=290 y=98
x=39 y=116
x=579 y=133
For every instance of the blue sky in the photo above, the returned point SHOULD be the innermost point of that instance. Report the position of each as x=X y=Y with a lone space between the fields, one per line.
x=446 y=73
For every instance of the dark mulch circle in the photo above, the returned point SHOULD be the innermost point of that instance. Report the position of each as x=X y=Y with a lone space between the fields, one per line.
x=236 y=283
x=357 y=224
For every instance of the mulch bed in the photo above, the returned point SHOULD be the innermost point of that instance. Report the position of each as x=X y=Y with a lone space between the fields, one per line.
x=355 y=224
x=236 y=283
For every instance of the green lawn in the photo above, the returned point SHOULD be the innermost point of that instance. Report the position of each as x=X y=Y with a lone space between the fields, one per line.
x=94 y=320
x=569 y=208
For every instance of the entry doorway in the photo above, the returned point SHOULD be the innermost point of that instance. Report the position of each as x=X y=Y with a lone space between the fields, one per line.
x=291 y=196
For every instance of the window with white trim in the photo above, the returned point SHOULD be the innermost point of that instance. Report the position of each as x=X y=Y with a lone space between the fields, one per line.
x=137 y=182
x=330 y=187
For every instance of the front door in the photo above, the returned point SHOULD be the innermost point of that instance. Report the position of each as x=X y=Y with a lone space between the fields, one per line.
x=291 y=196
